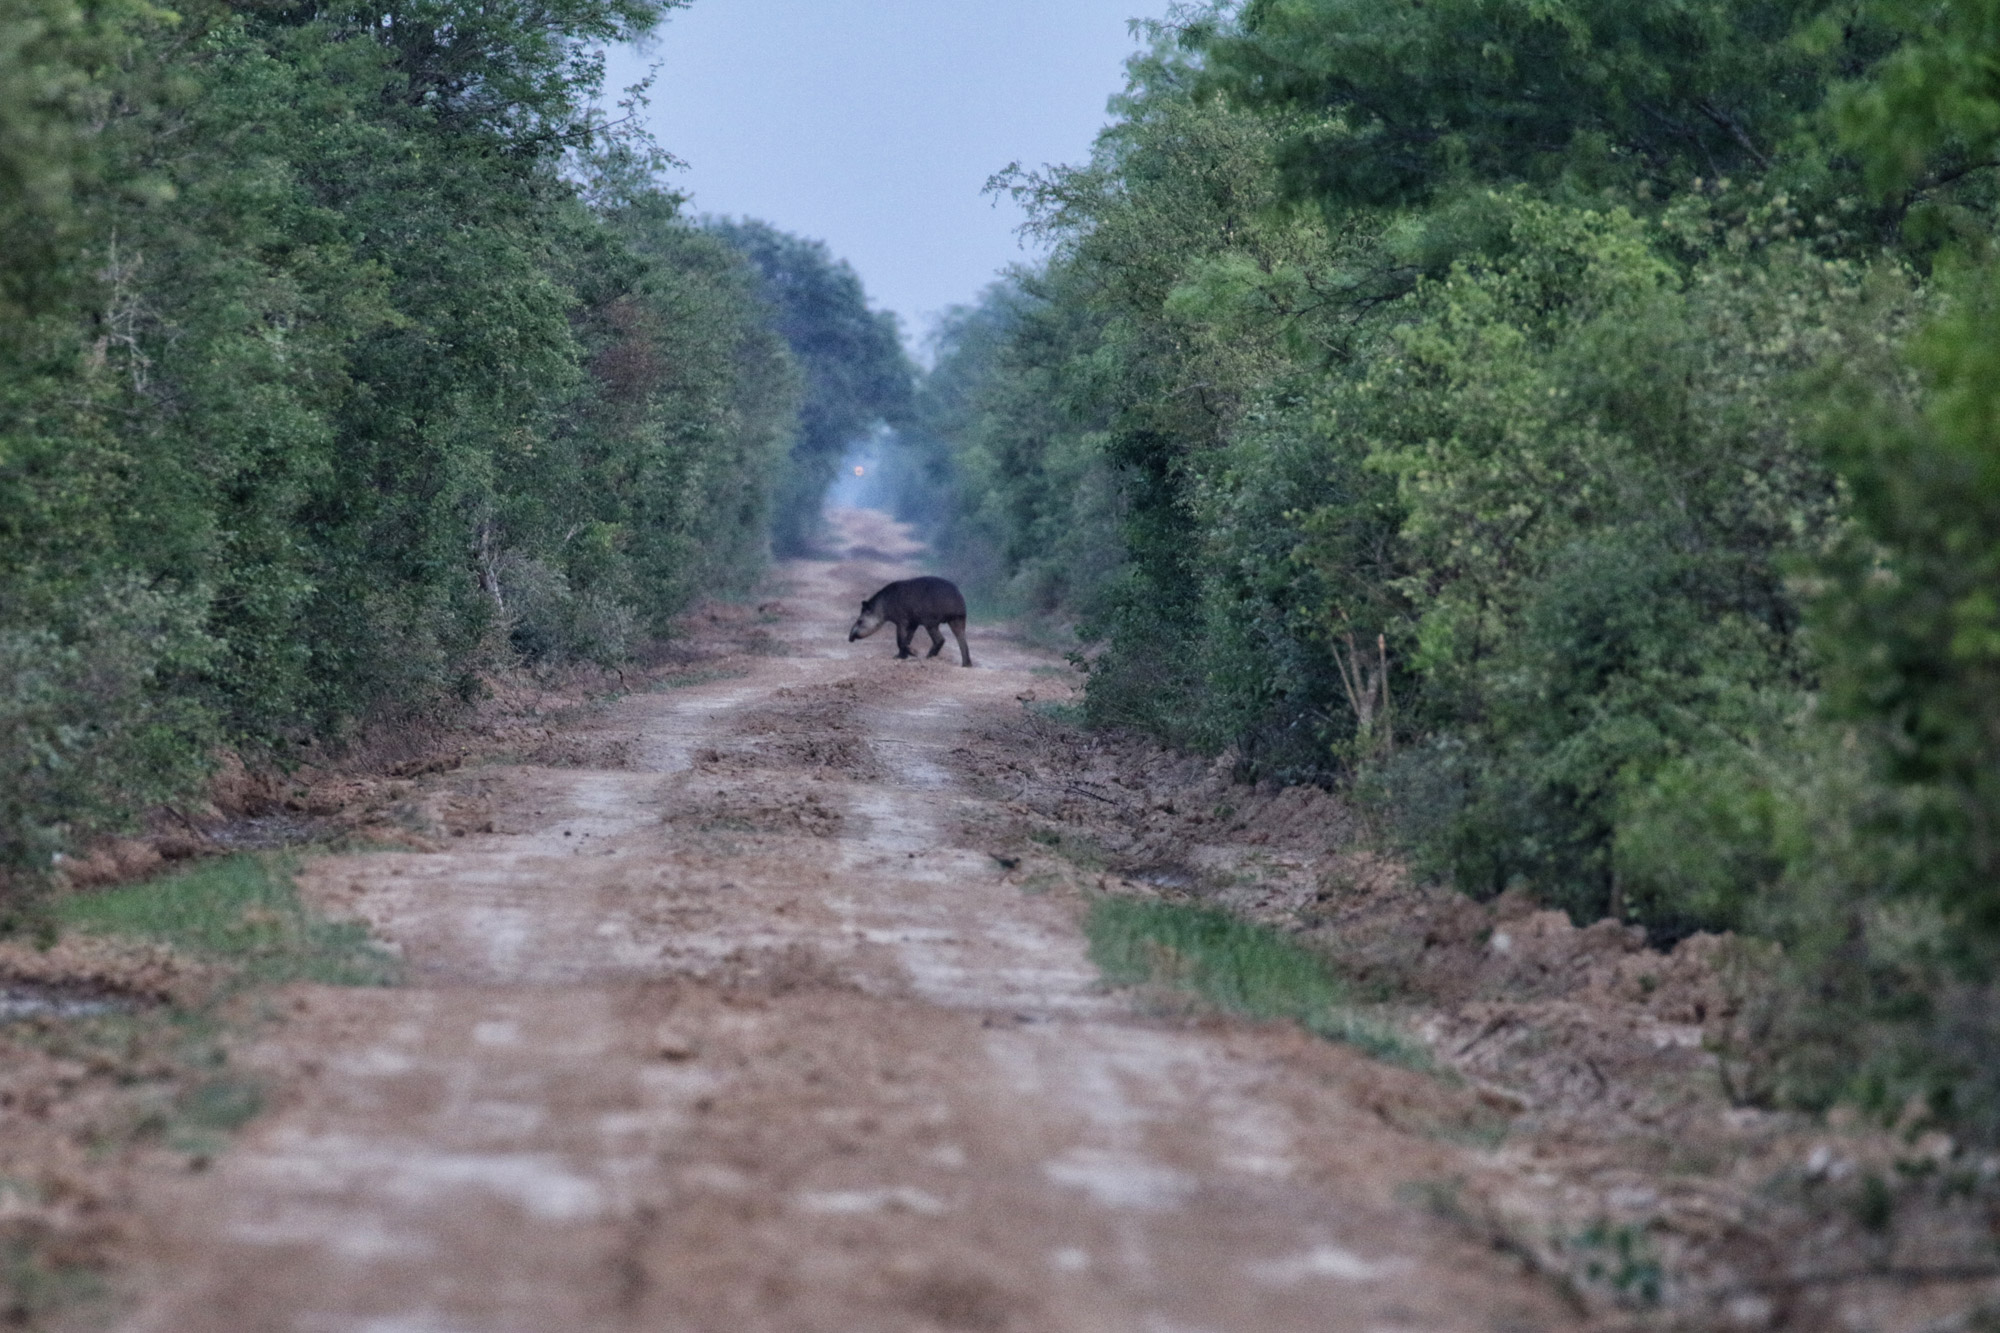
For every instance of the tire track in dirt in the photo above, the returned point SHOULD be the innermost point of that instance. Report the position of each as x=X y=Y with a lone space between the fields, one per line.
x=746 y=1037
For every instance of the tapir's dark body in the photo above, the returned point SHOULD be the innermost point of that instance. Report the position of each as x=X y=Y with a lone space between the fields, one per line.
x=908 y=603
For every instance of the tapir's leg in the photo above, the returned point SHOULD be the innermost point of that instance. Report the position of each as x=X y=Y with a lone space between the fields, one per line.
x=958 y=632
x=904 y=633
x=937 y=641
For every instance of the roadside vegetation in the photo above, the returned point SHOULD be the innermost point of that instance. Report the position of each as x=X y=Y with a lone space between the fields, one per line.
x=240 y=914
x=1238 y=966
x=348 y=357
x=855 y=376
x=122 y=1060
x=1571 y=431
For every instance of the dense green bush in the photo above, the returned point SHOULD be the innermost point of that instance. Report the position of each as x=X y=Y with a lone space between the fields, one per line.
x=1491 y=497
x=343 y=361
x=90 y=721
x=1571 y=428
x=856 y=375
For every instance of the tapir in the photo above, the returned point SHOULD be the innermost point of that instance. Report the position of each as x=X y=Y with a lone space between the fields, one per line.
x=908 y=603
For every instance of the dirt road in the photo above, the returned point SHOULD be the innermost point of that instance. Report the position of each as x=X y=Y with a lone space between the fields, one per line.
x=737 y=1031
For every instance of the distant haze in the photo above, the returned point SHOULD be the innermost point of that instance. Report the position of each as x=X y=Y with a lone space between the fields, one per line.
x=873 y=124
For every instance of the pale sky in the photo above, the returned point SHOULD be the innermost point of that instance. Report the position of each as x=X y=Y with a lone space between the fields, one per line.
x=873 y=124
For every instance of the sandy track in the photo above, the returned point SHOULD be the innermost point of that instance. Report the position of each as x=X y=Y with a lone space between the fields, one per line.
x=739 y=1037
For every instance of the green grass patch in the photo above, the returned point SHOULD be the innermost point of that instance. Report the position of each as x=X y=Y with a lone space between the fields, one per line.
x=1079 y=849
x=35 y=1288
x=1058 y=711
x=1621 y=1258
x=207 y=1113
x=241 y=911
x=157 y=1078
x=170 y=1067
x=1235 y=965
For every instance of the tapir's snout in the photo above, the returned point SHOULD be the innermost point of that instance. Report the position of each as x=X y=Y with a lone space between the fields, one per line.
x=865 y=624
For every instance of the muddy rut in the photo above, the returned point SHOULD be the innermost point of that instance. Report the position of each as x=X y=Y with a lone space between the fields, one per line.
x=743 y=1034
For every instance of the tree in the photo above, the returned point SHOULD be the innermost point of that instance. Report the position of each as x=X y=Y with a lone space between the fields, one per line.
x=1911 y=616
x=1403 y=101
x=348 y=355
x=855 y=370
